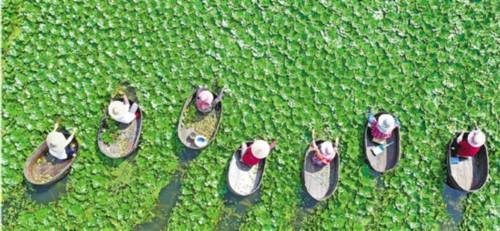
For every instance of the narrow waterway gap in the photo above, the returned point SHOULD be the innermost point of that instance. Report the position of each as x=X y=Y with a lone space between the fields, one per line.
x=306 y=208
x=49 y=193
x=168 y=197
x=236 y=207
x=454 y=203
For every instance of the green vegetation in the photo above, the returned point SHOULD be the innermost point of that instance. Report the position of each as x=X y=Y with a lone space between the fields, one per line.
x=290 y=67
x=111 y=131
x=203 y=123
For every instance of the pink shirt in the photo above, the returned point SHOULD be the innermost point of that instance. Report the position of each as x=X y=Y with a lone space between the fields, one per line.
x=376 y=133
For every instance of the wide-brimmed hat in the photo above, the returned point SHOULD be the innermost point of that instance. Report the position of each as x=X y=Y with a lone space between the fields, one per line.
x=476 y=138
x=260 y=149
x=326 y=148
x=205 y=96
x=56 y=141
x=117 y=108
x=386 y=123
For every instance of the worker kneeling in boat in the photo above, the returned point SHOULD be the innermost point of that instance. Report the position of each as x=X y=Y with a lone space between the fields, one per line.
x=205 y=101
x=382 y=128
x=259 y=150
x=59 y=145
x=324 y=154
x=122 y=112
x=469 y=146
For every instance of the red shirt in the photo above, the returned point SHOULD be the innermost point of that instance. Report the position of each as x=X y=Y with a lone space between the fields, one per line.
x=249 y=158
x=465 y=149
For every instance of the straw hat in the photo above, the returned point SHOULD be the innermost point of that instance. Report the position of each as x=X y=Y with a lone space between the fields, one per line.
x=476 y=138
x=117 y=108
x=260 y=149
x=326 y=148
x=386 y=123
x=56 y=142
x=205 y=96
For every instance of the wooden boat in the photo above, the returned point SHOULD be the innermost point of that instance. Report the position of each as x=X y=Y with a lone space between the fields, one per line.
x=320 y=182
x=391 y=155
x=43 y=169
x=243 y=180
x=128 y=139
x=470 y=174
x=187 y=133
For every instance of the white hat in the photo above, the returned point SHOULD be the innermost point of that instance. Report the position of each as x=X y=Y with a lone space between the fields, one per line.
x=386 y=123
x=206 y=96
x=260 y=149
x=116 y=109
x=56 y=141
x=476 y=138
x=326 y=148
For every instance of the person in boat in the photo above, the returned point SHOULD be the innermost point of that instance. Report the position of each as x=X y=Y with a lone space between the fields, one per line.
x=324 y=154
x=259 y=150
x=60 y=146
x=382 y=127
x=205 y=100
x=122 y=111
x=470 y=145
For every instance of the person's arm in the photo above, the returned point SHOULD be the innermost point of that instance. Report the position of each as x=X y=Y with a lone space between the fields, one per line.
x=70 y=138
x=56 y=126
x=125 y=100
x=133 y=108
x=371 y=118
x=219 y=97
x=243 y=149
x=272 y=145
x=314 y=146
x=460 y=137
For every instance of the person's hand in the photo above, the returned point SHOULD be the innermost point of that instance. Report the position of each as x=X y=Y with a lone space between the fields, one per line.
x=56 y=125
x=313 y=146
x=74 y=131
x=273 y=144
x=460 y=137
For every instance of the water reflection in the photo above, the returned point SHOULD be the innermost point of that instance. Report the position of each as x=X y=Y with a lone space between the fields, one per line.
x=236 y=207
x=453 y=199
x=49 y=193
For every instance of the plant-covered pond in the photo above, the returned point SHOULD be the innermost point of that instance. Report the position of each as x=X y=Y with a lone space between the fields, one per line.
x=289 y=67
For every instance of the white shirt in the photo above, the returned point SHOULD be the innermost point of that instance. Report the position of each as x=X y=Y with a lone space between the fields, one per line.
x=61 y=153
x=127 y=117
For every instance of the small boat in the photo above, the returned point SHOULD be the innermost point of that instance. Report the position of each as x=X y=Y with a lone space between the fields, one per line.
x=320 y=182
x=243 y=180
x=43 y=169
x=127 y=140
x=390 y=156
x=197 y=130
x=470 y=174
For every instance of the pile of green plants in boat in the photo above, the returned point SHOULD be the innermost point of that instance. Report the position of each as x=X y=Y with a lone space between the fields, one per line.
x=202 y=123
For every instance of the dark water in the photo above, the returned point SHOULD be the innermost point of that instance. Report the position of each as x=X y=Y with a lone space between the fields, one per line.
x=236 y=207
x=166 y=201
x=46 y=194
x=305 y=209
x=454 y=202
x=168 y=196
